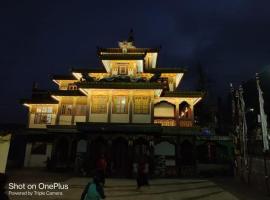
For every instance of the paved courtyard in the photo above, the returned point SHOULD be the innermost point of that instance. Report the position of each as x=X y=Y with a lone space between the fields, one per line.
x=125 y=189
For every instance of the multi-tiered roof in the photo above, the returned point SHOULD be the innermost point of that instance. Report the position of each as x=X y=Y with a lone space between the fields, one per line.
x=147 y=75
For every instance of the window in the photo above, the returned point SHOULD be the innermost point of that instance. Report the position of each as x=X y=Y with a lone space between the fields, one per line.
x=141 y=105
x=81 y=110
x=120 y=104
x=185 y=110
x=72 y=86
x=43 y=115
x=39 y=148
x=66 y=109
x=122 y=70
x=99 y=104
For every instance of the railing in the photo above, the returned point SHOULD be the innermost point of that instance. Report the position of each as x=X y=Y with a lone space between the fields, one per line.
x=165 y=122
x=172 y=122
x=185 y=123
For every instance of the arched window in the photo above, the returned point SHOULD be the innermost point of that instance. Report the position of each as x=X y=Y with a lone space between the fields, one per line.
x=185 y=110
x=164 y=109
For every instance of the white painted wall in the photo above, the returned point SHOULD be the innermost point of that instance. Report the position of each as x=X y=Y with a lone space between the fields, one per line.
x=139 y=118
x=120 y=118
x=171 y=86
x=164 y=110
x=164 y=149
x=79 y=119
x=4 y=149
x=98 y=117
x=65 y=119
x=36 y=160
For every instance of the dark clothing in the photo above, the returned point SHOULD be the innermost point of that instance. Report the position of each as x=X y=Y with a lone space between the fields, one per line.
x=142 y=179
x=101 y=164
x=101 y=170
x=3 y=195
x=101 y=176
x=98 y=188
x=142 y=176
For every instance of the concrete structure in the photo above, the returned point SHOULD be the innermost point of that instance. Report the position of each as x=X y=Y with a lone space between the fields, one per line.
x=4 y=149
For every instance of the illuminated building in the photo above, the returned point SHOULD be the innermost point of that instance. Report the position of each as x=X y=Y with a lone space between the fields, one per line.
x=127 y=109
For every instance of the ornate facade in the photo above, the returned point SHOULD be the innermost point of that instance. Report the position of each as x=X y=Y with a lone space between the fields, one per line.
x=127 y=109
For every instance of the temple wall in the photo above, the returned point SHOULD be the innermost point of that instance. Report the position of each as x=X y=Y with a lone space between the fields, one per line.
x=164 y=110
x=4 y=149
x=140 y=118
x=36 y=160
x=120 y=118
x=65 y=119
x=79 y=119
x=98 y=117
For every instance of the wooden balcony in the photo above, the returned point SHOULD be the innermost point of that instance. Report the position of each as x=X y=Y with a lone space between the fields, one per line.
x=165 y=121
x=185 y=123
x=172 y=122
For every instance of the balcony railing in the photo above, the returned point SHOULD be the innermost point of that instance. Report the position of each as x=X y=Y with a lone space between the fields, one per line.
x=185 y=123
x=172 y=122
x=165 y=122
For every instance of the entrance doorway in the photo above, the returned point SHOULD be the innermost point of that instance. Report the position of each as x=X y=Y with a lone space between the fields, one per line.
x=119 y=158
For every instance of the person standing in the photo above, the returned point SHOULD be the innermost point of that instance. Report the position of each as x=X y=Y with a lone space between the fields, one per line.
x=101 y=169
x=93 y=190
x=140 y=174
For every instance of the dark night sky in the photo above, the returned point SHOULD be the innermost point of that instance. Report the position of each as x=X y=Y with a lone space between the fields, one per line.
x=231 y=38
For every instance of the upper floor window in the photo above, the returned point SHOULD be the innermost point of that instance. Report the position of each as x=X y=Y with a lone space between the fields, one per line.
x=99 y=104
x=185 y=111
x=43 y=115
x=120 y=104
x=66 y=109
x=72 y=86
x=122 y=70
x=80 y=110
x=141 y=105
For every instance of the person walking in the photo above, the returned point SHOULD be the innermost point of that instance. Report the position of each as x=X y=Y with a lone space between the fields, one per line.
x=101 y=169
x=93 y=190
x=142 y=173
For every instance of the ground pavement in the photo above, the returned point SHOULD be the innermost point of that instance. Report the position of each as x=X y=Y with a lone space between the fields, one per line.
x=125 y=189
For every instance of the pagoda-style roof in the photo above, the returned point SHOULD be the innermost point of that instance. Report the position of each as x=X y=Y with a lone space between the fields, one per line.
x=183 y=94
x=88 y=70
x=165 y=70
x=39 y=96
x=122 y=56
x=63 y=77
x=129 y=50
x=67 y=93
x=120 y=85
x=40 y=100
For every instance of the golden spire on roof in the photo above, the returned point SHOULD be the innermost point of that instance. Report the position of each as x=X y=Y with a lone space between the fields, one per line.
x=127 y=44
